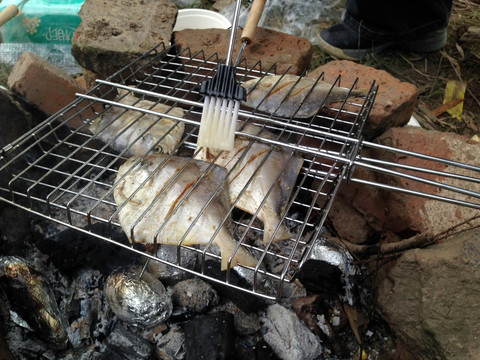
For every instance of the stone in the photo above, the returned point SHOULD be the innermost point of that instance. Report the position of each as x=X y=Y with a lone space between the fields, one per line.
x=245 y=301
x=113 y=33
x=289 y=338
x=430 y=298
x=45 y=86
x=394 y=102
x=288 y=53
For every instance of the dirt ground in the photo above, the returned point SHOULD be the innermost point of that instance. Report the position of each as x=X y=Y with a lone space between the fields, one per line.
x=459 y=61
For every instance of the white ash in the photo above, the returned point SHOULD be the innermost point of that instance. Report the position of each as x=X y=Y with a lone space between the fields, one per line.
x=289 y=337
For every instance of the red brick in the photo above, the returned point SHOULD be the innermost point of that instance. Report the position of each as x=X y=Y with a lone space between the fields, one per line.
x=404 y=214
x=394 y=102
x=289 y=53
x=44 y=85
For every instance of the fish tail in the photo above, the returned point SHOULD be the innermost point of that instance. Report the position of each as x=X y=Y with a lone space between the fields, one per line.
x=241 y=257
x=282 y=234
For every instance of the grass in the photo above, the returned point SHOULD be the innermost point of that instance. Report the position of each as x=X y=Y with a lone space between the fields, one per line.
x=459 y=60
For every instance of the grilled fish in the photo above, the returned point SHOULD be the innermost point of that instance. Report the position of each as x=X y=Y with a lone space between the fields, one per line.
x=166 y=199
x=293 y=96
x=268 y=182
x=137 y=132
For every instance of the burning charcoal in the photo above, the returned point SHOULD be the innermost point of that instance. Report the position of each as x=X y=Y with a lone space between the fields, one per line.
x=124 y=344
x=170 y=274
x=210 y=337
x=138 y=300
x=289 y=338
x=244 y=301
x=245 y=324
x=194 y=295
x=31 y=297
x=329 y=269
x=170 y=346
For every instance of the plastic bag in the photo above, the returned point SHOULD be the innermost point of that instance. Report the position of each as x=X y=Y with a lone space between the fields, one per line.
x=301 y=18
x=42 y=21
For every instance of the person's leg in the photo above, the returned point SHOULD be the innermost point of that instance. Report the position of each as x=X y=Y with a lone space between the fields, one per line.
x=374 y=25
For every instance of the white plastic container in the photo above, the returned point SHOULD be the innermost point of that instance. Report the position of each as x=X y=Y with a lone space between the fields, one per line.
x=200 y=19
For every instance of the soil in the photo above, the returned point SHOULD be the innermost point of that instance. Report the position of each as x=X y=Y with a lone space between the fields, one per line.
x=459 y=61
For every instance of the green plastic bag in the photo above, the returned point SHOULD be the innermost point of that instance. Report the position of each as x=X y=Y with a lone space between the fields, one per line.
x=42 y=21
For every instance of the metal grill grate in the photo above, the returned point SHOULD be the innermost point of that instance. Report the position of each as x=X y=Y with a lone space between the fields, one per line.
x=60 y=171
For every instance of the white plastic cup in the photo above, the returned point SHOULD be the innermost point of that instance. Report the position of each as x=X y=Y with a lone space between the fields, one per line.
x=200 y=19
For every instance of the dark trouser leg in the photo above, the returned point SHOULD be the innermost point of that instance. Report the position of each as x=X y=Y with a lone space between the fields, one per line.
x=383 y=19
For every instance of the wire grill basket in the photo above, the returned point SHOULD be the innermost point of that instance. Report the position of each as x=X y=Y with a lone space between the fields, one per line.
x=61 y=171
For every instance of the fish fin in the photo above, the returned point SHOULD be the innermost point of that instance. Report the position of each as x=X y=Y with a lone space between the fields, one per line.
x=242 y=256
x=282 y=234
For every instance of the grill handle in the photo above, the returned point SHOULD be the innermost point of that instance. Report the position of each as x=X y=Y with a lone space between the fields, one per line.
x=253 y=18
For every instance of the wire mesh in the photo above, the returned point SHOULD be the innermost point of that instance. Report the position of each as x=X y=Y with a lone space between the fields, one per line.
x=63 y=171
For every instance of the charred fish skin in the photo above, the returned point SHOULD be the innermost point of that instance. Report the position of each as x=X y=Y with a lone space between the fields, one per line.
x=293 y=96
x=177 y=200
x=267 y=190
x=135 y=132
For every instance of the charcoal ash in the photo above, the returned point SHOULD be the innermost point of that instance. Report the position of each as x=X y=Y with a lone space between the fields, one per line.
x=127 y=345
x=194 y=295
x=288 y=336
x=170 y=346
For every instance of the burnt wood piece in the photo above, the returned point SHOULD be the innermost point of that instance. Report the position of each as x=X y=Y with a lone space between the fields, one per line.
x=210 y=337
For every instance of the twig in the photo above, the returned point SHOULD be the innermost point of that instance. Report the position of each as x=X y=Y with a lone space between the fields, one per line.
x=447 y=106
x=415 y=241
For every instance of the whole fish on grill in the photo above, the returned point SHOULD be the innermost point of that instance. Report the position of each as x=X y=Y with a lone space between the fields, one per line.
x=167 y=194
x=270 y=187
x=138 y=132
x=293 y=96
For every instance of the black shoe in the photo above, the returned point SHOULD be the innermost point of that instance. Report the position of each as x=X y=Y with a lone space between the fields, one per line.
x=344 y=43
